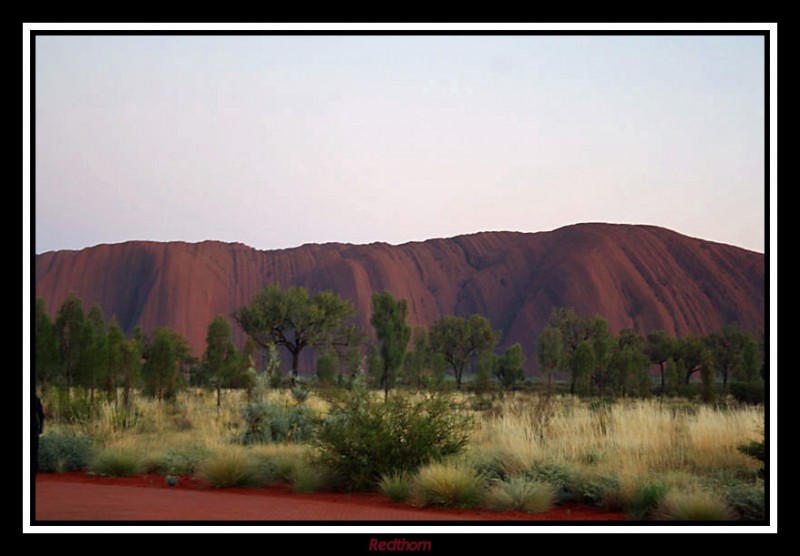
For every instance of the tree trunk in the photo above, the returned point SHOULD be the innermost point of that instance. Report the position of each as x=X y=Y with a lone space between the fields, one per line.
x=295 y=359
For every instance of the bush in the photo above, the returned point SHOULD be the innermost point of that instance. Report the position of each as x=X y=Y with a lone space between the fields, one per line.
x=448 y=484
x=646 y=499
x=117 y=462
x=179 y=462
x=756 y=450
x=558 y=476
x=751 y=393
x=230 y=468
x=520 y=494
x=396 y=486
x=363 y=438
x=747 y=501
x=62 y=452
x=693 y=506
x=267 y=422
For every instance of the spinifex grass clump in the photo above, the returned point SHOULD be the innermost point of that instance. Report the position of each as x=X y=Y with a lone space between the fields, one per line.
x=232 y=467
x=396 y=486
x=117 y=462
x=520 y=494
x=448 y=484
x=693 y=506
x=364 y=438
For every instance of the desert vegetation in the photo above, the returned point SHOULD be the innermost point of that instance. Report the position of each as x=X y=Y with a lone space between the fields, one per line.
x=657 y=427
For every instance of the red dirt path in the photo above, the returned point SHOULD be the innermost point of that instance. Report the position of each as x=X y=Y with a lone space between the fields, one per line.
x=81 y=497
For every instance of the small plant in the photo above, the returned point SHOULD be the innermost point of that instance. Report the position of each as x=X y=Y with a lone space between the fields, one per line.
x=747 y=501
x=307 y=478
x=183 y=462
x=448 y=484
x=646 y=499
x=396 y=486
x=693 y=506
x=230 y=468
x=171 y=480
x=117 y=462
x=756 y=450
x=520 y=494
x=63 y=452
x=267 y=422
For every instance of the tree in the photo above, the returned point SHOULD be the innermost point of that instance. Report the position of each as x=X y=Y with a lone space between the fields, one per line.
x=161 y=370
x=581 y=365
x=294 y=320
x=94 y=355
x=115 y=338
x=130 y=368
x=219 y=359
x=69 y=335
x=549 y=352
x=693 y=351
x=660 y=349
x=508 y=367
x=630 y=363
x=462 y=341
x=728 y=349
x=389 y=320
x=46 y=348
x=602 y=345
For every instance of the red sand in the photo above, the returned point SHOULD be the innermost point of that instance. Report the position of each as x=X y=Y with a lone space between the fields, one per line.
x=81 y=497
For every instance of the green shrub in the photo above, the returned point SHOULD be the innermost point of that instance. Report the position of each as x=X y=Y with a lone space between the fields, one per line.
x=230 y=468
x=756 y=450
x=748 y=392
x=307 y=478
x=558 y=476
x=598 y=491
x=184 y=462
x=693 y=506
x=266 y=422
x=364 y=438
x=396 y=486
x=62 y=452
x=646 y=499
x=117 y=462
x=520 y=494
x=447 y=484
x=747 y=501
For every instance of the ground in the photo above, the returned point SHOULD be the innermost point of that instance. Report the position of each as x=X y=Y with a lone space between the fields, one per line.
x=79 y=497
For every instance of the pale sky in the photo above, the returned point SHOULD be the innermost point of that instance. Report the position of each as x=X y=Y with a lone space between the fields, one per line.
x=277 y=141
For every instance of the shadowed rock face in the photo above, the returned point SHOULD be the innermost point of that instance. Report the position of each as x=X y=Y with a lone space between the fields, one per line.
x=635 y=276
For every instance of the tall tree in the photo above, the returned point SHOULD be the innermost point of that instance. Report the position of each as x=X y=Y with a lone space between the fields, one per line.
x=161 y=371
x=549 y=352
x=70 y=336
x=728 y=348
x=293 y=319
x=660 y=349
x=630 y=363
x=389 y=320
x=462 y=341
x=219 y=359
x=94 y=356
x=46 y=349
x=581 y=365
x=130 y=368
x=508 y=367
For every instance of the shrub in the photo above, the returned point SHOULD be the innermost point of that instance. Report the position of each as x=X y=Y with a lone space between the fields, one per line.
x=447 y=484
x=559 y=477
x=751 y=393
x=306 y=478
x=117 y=462
x=646 y=499
x=693 y=506
x=747 y=501
x=62 y=452
x=520 y=494
x=756 y=450
x=396 y=486
x=266 y=422
x=599 y=491
x=230 y=468
x=363 y=438
x=185 y=462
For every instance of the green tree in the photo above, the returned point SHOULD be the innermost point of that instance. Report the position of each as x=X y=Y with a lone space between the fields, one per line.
x=389 y=320
x=46 y=349
x=219 y=360
x=693 y=351
x=728 y=349
x=581 y=365
x=326 y=368
x=115 y=339
x=549 y=352
x=94 y=355
x=161 y=371
x=291 y=318
x=630 y=363
x=660 y=349
x=602 y=345
x=130 y=368
x=69 y=336
x=508 y=367
x=462 y=341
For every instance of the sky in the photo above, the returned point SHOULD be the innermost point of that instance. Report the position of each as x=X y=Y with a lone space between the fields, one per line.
x=278 y=141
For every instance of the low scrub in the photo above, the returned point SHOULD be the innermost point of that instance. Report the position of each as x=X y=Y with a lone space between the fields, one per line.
x=266 y=422
x=230 y=468
x=693 y=506
x=117 y=462
x=397 y=486
x=520 y=494
x=448 y=484
x=61 y=452
x=646 y=499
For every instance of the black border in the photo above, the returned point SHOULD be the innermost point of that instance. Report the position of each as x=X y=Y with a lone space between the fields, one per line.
x=453 y=541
